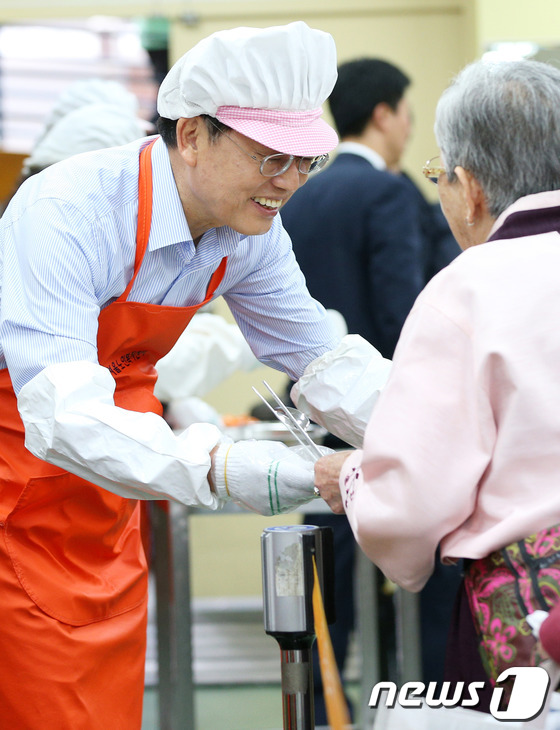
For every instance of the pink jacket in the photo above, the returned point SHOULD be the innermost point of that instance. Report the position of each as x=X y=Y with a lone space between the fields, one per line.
x=463 y=447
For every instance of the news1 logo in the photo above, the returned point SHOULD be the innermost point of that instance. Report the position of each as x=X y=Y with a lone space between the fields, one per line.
x=526 y=702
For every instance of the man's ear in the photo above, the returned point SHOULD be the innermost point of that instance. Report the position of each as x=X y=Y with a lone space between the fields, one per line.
x=473 y=195
x=381 y=114
x=188 y=138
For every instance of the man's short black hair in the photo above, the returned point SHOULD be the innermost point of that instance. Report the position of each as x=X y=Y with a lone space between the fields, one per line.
x=167 y=128
x=362 y=85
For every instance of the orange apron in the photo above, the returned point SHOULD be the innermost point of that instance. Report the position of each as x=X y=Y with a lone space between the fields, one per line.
x=73 y=576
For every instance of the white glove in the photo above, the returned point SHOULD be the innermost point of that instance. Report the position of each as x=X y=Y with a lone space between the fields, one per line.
x=267 y=477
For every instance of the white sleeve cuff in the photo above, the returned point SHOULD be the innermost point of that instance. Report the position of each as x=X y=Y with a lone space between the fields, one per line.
x=71 y=421
x=340 y=388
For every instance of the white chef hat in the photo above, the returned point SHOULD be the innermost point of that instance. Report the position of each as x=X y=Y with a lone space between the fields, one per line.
x=92 y=127
x=91 y=91
x=268 y=84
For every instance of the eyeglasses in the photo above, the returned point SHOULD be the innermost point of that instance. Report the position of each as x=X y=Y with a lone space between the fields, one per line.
x=279 y=163
x=433 y=169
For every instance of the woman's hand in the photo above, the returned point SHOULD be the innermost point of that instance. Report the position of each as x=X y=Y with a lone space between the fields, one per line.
x=327 y=475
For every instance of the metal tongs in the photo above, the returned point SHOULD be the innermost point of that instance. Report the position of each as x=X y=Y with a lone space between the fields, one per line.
x=295 y=421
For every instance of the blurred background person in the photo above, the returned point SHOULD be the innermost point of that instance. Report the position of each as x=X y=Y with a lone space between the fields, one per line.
x=88 y=115
x=367 y=241
x=91 y=91
x=208 y=352
x=154 y=37
x=93 y=126
x=364 y=235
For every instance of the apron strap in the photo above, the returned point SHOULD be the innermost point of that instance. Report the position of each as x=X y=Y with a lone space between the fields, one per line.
x=144 y=224
x=215 y=281
x=144 y=213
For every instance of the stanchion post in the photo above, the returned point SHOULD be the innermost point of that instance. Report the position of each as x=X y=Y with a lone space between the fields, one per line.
x=287 y=555
x=173 y=607
x=409 y=642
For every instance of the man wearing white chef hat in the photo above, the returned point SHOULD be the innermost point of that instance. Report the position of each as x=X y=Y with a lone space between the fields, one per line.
x=90 y=91
x=89 y=127
x=107 y=256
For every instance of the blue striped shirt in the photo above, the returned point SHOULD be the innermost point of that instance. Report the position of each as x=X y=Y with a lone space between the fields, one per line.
x=67 y=248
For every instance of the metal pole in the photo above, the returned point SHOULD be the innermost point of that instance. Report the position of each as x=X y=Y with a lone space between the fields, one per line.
x=159 y=518
x=183 y=698
x=409 y=653
x=174 y=641
x=368 y=628
x=297 y=687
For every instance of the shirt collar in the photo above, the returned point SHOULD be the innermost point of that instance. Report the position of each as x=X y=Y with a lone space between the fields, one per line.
x=355 y=148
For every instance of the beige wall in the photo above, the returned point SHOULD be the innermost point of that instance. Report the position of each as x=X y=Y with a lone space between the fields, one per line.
x=518 y=20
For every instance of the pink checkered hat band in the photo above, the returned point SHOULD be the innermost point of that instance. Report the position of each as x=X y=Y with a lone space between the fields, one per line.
x=274 y=116
x=301 y=133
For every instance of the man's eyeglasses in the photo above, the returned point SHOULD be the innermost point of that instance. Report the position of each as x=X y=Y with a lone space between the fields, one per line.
x=433 y=169
x=279 y=163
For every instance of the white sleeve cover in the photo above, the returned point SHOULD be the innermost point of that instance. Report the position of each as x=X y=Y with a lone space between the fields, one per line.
x=208 y=352
x=71 y=421
x=339 y=389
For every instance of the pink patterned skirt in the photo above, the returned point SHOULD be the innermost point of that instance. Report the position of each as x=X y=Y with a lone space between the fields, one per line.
x=503 y=589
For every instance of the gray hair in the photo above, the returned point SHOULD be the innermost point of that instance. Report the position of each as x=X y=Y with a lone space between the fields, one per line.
x=501 y=122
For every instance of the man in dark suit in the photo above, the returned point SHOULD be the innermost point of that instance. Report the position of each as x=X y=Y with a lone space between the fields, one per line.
x=367 y=242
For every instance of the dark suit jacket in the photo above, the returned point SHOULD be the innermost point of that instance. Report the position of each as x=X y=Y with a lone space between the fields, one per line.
x=358 y=236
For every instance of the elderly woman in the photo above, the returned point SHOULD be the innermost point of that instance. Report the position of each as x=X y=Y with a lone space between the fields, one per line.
x=463 y=448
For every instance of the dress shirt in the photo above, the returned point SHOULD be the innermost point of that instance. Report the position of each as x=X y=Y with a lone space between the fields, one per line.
x=463 y=447
x=362 y=150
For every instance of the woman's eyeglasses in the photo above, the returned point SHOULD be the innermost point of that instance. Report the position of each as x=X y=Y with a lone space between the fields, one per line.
x=433 y=169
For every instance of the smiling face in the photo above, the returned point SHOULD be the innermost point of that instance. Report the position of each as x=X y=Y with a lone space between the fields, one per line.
x=220 y=185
